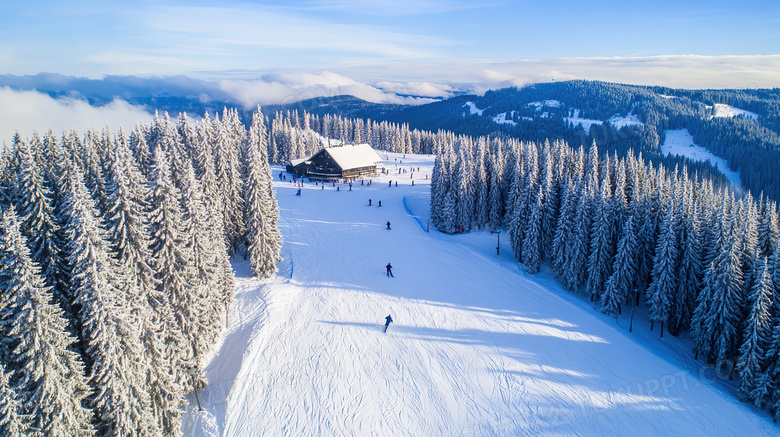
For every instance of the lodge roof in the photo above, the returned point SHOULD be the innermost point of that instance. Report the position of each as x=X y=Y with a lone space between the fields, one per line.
x=353 y=156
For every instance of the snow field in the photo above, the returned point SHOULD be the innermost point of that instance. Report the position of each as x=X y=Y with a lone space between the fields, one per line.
x=680 y=142
x=723 y=110
x=478 y=347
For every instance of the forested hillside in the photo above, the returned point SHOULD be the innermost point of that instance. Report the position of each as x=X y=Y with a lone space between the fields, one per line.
x=619 y=117
x=626 y=233
x=115 y=272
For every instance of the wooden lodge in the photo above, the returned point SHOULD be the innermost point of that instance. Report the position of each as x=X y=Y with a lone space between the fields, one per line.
x=346 y=162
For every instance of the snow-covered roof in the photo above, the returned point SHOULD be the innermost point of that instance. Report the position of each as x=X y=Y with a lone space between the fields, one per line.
x=354 y=156
x=295 y=162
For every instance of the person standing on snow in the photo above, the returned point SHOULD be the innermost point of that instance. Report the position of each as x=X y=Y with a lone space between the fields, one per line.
x=388 y=225
x=388 y=321
x=389 y=271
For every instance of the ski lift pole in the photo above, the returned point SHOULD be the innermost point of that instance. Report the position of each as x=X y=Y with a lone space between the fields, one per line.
x=498 y=242
x=631 y=319
x=193 y=371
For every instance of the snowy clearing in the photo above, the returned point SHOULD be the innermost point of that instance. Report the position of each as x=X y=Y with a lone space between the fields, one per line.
x=478 y=347
x=723 y=110
x=548 y=103
x=502 y=119
x=586 y=123
x=473 y=108
x=680 y=142
x=622 y=121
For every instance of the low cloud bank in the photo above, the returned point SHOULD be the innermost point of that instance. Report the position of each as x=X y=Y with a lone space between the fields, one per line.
x=26 y=112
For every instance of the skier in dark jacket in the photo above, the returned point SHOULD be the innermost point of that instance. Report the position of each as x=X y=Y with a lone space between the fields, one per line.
x=388 y=225
x=388 y=321
x=389 y=271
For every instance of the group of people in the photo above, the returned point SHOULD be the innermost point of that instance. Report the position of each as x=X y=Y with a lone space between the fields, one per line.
x=388 y=267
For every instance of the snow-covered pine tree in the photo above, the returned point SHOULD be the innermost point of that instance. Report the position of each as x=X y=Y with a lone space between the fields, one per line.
x=230 y=178
x=757 y=335
x=481 y=184
x=39 y=223
x=140 y=149
x=173 y=270
x=768 y=228
x=465 y=186
x=495 y=191
x=263 y=237
x=564 y=228
x=109 y=329
x=576 y=267
x=532 y=243
x=689 y=272
x=664 y=277
x=623 y=269
x=552 y=201
x=716 y=321
x=11 y=414
x=515 y=223
x=48 y=376
x=130 y=237
x=201 y=315
x=601 y=243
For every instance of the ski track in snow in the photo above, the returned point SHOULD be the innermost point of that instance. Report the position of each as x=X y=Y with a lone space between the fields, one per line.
x=477 y=347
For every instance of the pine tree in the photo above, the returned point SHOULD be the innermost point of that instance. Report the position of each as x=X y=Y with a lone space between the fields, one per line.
x=465 y=188
x=757 y=335
x=689 y=273
x=602 y=236
x=129 y=233
x=664 y=283
x=263 y=238
x=39 y=222
x=109 y=329
x=576 y=267
x=495 y=193
x=623 y=270
x=49 y=377
x=481 y=185
x=11 y=417
x=532 y=244
x=718 y=312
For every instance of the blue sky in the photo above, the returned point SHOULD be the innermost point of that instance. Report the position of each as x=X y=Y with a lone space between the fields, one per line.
x=402 y=45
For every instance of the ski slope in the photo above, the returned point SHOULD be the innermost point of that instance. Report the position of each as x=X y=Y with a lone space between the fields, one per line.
x=680 y=142
x=478 y=347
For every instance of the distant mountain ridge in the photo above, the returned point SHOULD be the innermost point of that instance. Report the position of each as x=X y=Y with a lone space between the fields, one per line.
x=740 y=126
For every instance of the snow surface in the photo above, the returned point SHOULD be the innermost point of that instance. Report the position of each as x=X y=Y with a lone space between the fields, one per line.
x=680 y=142
x=616 y=120
x=548 y=103
x=723 y=110
x=585 y=122
x=501 y=119
x=478 y=347
x=473 y=108
x=622 y=121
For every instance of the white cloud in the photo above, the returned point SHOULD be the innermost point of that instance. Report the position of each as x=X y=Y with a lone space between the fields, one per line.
x=30 y=111
x=425 y=89
x=292 y=87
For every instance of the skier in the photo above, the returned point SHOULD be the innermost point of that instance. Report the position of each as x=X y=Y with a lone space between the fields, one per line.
x=388 y=225
x=369 y=202
x=389 y=271
x=380 y=203
x=388 y=321
x=298 y=193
